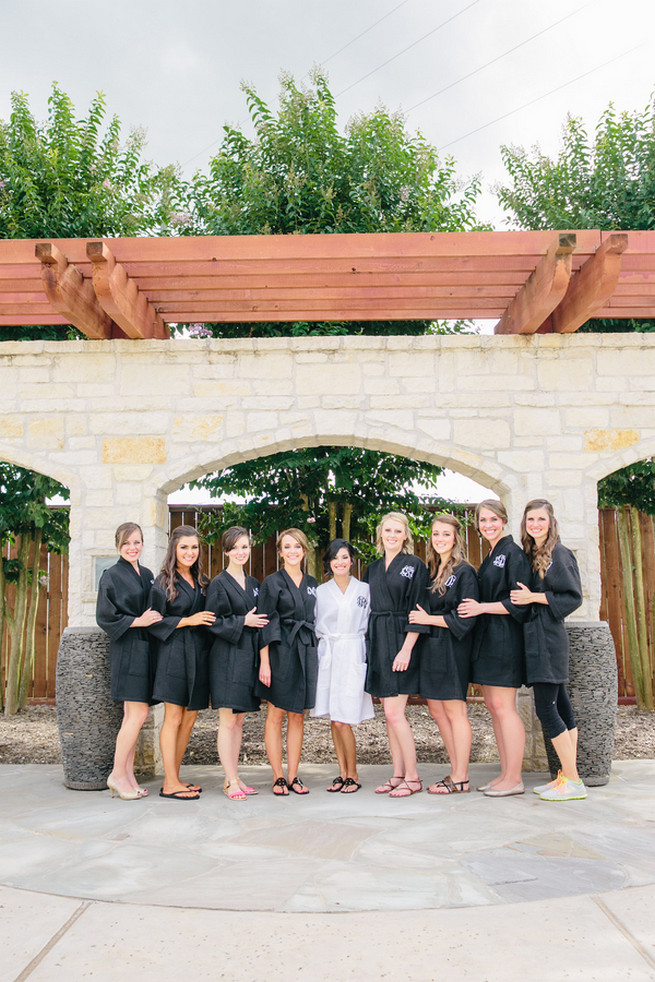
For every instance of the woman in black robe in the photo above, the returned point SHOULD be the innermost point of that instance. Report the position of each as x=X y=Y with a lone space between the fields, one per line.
x=446 y=651
x=498 y=654
x=554 y=592
x=397 y=582
x=181 y=680
x=123 y=612
x=288 y=657
x=234 y=656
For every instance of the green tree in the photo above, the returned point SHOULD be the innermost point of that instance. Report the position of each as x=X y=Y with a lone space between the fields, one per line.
x=72 y=177
x=300 y=173
x=606 y=181
x=26 y=522
x=325 y=491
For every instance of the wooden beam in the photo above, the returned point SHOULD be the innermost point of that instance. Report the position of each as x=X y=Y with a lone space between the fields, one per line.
x=70 y=294
x=120 y=298
x=592 y=286
x=542 y=292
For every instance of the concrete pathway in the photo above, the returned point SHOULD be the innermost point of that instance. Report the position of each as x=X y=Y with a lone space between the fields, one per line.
x=326 y=886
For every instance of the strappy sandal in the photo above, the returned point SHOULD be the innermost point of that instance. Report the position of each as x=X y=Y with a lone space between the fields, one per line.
x=350 y=785
x=336 y=785
x=233 y=790
x=387 y=787
x=297 y=786
x=282 y=785
x=405 y=789
x=448 y=786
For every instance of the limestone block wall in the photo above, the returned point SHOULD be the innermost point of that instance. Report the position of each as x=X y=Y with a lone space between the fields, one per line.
x=123 y=423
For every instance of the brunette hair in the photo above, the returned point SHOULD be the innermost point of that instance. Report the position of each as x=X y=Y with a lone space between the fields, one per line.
x=440 y=571
x=395 y=516
x=494 y=505
x=167 y=574
x=540 y=556
x=332 y=550
x=296 y=534
x=124 y=531
x=232 y=535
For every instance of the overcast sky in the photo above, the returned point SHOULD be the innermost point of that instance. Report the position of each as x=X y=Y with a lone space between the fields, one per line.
x=472 y=75
x=175 y=68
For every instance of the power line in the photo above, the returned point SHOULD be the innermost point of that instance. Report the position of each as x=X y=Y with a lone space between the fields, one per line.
x=408 y=48
x=334 y=55
x=540 y=97
x=498 y=58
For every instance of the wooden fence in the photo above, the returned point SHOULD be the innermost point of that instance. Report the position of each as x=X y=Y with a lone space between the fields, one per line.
x=54 y=598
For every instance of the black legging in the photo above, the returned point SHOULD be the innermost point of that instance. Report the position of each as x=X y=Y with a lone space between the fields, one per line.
x=553 y=707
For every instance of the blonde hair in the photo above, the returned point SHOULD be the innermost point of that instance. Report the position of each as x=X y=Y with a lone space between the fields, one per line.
x=296 y=534
x=494 y=505
x=540 y=556
x=394 y=516
x=439 y=571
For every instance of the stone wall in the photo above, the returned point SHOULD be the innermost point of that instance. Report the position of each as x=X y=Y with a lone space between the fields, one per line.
x=123 y=423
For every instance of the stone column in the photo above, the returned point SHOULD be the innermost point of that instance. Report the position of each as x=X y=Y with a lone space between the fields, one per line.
x=593 y=687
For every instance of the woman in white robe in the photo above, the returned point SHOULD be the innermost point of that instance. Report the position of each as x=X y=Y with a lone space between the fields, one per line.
x=342 y=611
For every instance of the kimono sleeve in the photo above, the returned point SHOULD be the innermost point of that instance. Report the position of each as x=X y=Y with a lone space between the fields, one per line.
x=267 y=603
x=518 y=571
x=563 y=587
x=157 y=601
x=466 y=587
x=228 y=625
x=108 y=616
x=416 y=595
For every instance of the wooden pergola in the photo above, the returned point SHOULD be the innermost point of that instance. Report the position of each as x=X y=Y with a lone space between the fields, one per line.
x=527 y=281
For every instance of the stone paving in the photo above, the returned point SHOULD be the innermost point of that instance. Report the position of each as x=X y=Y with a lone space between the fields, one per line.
x=427 y=887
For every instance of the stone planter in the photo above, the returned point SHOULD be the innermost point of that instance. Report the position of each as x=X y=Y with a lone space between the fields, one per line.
x=88 y=719
x=593 y=688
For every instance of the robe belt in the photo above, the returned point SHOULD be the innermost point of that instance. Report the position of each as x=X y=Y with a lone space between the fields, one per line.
x=296 y=627
x=388 y=613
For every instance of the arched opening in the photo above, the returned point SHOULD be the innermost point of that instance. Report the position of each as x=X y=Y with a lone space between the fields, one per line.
x=328 y=491
x=34 y=534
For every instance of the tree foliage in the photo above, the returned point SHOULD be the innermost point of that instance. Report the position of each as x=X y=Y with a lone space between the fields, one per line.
x=26 y=522
x=72 y=177
x=300 y=173
x=325 y=491
x=605 y=181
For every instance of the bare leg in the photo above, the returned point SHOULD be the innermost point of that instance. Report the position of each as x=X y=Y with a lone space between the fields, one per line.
x=122 y=774
x=460 y=728
x=510 y=734
x=273 y=739
x=295 y=734
x=401 y=738
x=168 y=741
x=230 y=730
x=339 y=748
x=439 y=715
x=187 y=723
x=566 y=746
x=347 y=756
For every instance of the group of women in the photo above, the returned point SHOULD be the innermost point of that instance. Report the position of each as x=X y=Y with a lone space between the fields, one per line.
x=406 y=629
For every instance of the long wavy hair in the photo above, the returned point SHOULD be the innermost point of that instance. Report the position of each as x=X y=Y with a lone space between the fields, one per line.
x=540 y=556
x=168 y=574
x=440 y=571
x=395 y=516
